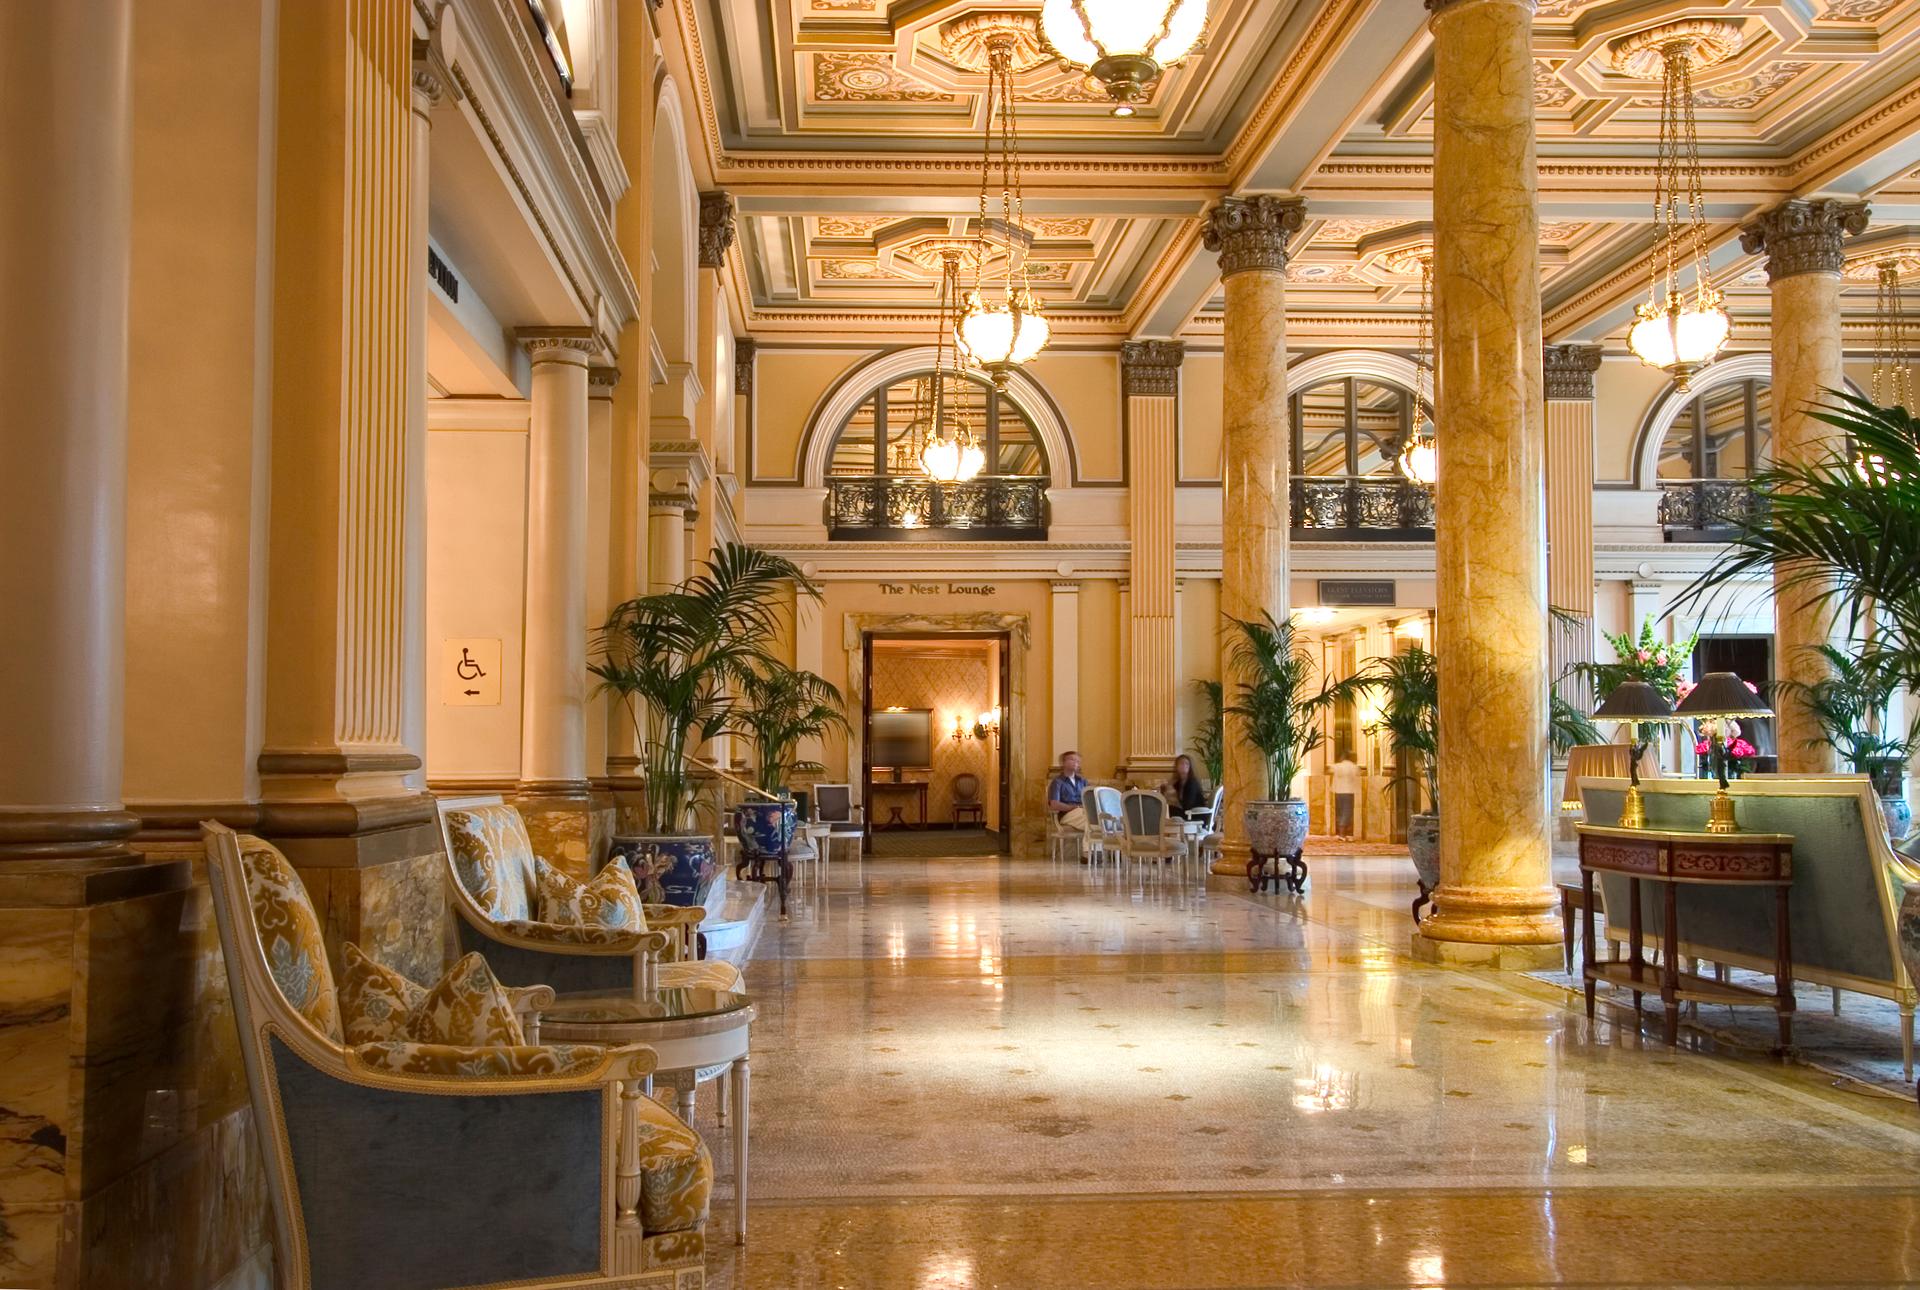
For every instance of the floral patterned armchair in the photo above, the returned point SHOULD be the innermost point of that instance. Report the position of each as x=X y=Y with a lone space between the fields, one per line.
x=490 y=880
x=429 y=1165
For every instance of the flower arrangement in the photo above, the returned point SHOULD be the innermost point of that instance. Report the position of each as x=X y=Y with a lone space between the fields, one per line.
x=1647 y=658
x=1737 y=750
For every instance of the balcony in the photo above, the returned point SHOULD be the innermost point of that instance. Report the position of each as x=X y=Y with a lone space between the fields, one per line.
x=1706 y=510
x=1363 y=508
x=882 y=508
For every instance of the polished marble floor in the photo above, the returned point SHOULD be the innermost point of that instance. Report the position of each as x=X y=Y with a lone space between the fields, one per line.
x=989 y=1073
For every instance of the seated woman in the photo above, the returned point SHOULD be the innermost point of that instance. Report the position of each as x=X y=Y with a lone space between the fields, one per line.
x=1184 y=792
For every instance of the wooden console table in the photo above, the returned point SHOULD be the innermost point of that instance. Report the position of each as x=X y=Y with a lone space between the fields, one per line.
x=896 y=820
x=1671 y=858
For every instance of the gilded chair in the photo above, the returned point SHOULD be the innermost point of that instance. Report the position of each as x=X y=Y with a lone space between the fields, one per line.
x=431 y=1166
x=1145 y=836
x=490 y=883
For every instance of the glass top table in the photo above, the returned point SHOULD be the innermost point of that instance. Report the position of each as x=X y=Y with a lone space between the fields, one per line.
x=609 y=1009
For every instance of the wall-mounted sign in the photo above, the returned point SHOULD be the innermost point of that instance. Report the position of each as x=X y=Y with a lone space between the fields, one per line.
x=938 y=589
x=443 y=275
x=470 y=673
x=1335 y=592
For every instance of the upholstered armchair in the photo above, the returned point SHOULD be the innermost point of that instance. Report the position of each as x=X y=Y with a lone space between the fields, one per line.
x=410 y=1165
x=490 y=883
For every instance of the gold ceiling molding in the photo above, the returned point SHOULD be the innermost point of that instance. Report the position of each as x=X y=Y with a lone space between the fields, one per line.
x=965 y=40
x=1313 y=48
x=1705 y=42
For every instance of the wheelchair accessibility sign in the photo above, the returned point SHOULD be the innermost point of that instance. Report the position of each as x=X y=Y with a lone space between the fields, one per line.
x=470 y=673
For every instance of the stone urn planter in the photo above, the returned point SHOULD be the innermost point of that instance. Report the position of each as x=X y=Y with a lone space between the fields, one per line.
x=1423 y=844
x=1277 y=831
x=1891 y=784
x=685 y=865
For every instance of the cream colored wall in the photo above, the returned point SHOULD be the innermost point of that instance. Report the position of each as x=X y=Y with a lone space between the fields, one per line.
x=1100 y=679
x=1085 y=386
x=1625 y=391
x=1199 y=653
x=788 y=384
x=1201 y=398
x=476 y=578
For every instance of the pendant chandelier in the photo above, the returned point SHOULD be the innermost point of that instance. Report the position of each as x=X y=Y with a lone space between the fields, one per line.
x=1679 y=332
x=1001 y=325
x=1892 y=384
x=949 y=452
x=1125 y=44
x=1420 y=455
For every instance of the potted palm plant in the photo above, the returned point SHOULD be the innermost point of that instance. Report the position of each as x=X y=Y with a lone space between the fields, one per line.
x=781 y=706
x=679 y=660
x=1408 y=686
x=1279 y=711
x=1848 y=704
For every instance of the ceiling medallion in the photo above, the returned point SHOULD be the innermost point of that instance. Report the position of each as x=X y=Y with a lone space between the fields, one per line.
x=1125 y=44
x=1001 y=325
x=966 y=40
x=1676 y=332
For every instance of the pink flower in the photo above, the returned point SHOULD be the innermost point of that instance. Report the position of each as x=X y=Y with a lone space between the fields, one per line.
x=1751 y=687
x=1681 y=689
x=1702 y=748
x=1741 y=748
x=1641 y=655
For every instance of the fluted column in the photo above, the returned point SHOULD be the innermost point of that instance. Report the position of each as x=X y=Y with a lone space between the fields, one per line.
x=1496 y=899
x=1251 y=236
x=429 y=87
x=1569 y=372
x=1802 y=242
x=667 y=539
x=1065 y=632
x=64 y=248
x=1150 y=380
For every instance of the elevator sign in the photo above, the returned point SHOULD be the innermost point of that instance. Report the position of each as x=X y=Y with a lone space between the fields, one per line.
x=1352 y=592
x=470 y=673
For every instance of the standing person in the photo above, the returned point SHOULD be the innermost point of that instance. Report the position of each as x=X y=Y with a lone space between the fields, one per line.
x=1184 y=792
x=1346 y=787
x=1065 y=793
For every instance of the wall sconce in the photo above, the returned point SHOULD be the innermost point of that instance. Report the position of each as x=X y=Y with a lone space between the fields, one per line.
x=985 y=726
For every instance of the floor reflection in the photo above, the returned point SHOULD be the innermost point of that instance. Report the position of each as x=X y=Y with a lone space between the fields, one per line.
x=986 y=1042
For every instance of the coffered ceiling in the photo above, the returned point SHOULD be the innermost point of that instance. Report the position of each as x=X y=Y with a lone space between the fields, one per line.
x=849 y=131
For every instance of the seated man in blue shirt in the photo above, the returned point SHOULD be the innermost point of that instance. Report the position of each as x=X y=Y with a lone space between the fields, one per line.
x=1066 y=791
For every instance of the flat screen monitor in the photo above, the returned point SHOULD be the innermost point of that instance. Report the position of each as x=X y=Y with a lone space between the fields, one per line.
x=903 y=738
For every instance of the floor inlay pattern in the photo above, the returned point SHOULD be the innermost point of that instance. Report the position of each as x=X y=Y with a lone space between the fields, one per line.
x=969 y=1046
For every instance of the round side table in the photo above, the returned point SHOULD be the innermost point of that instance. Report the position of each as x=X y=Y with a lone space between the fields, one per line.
x=696 y=1034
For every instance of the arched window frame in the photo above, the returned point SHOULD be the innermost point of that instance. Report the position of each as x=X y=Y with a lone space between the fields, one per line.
x=888 y=417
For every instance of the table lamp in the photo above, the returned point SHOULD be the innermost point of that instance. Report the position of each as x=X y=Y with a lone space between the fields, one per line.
x=1635 y=704
x=1719 y=698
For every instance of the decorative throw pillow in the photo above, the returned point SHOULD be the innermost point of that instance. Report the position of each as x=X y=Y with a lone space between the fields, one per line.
x=610 y=899
x=467 y=1007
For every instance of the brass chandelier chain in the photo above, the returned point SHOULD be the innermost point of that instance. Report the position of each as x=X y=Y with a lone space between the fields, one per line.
x=1892 y=384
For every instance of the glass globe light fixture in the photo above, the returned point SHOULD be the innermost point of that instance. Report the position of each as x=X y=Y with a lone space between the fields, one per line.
x=1682 y=338
x=941 y=459
x=997 y=338
x=973 y=458
x=1420 y=459
x=1125 y=44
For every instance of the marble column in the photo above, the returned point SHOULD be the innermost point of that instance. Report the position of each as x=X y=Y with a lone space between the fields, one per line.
x=1569 y=372
x=1150 y=381
x=553 y=783
x=1802 y=242
x=1251 y=236
x=1065 y=685
x=1496 y=902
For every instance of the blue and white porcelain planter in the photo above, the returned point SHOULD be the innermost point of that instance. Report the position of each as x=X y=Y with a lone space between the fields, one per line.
x=688 y=863
x=765 y=828
x=1277 y=828
x=1899 y=816
x=1423 y=845
x=1909 y=929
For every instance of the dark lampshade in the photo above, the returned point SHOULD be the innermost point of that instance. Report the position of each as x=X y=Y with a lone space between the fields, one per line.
x=1635 y=701
x=1722 y=694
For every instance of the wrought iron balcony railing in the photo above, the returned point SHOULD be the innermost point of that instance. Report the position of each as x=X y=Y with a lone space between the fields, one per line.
x=1706 y=510
x=1369 y=508
x=991 y=508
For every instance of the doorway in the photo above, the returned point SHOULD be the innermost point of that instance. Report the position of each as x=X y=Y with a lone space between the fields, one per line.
x=935 y=724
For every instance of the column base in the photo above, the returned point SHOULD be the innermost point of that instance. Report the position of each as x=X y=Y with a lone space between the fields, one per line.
x=78 y=837
x=1505 y=958
x=1233 y=860
x=1478 y=925
x=569 y=825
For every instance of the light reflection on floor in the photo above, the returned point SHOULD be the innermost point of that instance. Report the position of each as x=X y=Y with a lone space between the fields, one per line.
x=992 y=1073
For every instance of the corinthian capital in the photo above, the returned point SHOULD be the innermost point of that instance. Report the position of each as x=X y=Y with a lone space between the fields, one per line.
x=1803 y=235
x=716 y=228
x=1569 y=370
x=1151 y=367
x=1252 y=232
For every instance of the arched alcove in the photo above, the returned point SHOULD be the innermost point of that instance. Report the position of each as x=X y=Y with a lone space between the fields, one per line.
x=676 y=229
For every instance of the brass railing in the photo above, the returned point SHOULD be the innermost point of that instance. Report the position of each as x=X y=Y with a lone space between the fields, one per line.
x=1706 y=509
x=991 y=508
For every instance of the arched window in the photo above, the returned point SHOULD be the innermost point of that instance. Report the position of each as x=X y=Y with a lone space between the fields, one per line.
x=882 y=437
x=1347 y=435
x=1353 y=426
x=1724 y=432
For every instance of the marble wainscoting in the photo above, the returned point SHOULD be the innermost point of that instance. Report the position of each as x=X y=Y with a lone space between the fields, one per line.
x=127 y=1153
x=392 y=903
x=568 y=830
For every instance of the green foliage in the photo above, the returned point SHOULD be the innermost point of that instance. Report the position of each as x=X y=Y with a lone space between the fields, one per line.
x=1278 y=707
x=781 y=707
x=1645 y=658
x=1569 y=727
x=1847 y=704
x=1843 y=530
x=1409 y=688
x=1209 y=741
x=678 y=659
